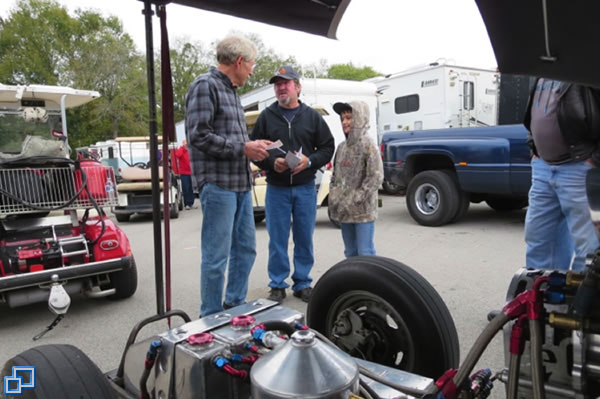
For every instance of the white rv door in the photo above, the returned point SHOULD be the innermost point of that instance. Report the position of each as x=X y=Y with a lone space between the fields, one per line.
x=467 y=111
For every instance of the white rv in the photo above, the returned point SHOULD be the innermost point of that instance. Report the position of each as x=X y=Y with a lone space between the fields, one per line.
x=324 y=93
x=437 y=96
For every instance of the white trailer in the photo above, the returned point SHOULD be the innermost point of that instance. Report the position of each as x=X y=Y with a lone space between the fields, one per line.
x=437 y=96
x=324 y=93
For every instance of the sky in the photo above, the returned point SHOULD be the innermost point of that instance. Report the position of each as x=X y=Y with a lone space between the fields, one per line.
x=388 y=35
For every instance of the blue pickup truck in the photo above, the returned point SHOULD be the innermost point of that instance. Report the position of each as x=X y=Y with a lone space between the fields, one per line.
x=444 y=170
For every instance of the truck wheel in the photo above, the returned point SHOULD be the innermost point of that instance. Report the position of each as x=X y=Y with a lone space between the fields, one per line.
x=391 y=188
x=61 y=371
x=433 y=197
x=383 y=311
x=124 y=282
x=504 y=204
x=122 y=217
x=464 y=198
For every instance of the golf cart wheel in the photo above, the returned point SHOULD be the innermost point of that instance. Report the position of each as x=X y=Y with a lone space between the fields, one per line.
x=383 y=311
x=258 y=217
x=61 y=371
x=124 y=282
x=122 y=217
x=174 y=211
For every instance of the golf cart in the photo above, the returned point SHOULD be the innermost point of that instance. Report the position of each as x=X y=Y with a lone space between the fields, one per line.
x=259 y=188
x=399 y=334
x=135 y=186
x=55 y=239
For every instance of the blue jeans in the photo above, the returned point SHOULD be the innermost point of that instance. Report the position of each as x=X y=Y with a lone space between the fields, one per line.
x=296 y=205
x=188 y=191
x=358 y=239
x=228 y=234
x=557 y=198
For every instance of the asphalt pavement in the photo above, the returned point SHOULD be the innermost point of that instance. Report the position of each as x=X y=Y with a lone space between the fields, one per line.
x=469 y=263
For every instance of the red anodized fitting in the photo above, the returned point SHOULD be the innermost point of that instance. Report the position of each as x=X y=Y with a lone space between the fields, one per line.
x=200 y=339
x=243 y=321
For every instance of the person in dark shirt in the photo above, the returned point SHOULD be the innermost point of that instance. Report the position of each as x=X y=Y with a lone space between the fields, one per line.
x=291 y=200
x=563 y=121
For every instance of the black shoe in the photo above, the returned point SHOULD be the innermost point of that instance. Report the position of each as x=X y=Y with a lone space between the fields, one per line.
x=227 y=306
x=276 y=294
x=303 y=294
x=492 y=314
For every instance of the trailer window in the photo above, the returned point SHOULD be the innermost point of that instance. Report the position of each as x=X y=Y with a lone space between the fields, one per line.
x=405 y=104
x=468 y=96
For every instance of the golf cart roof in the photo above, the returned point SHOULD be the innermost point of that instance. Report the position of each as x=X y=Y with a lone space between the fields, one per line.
x=12 y=96
x=316 y=17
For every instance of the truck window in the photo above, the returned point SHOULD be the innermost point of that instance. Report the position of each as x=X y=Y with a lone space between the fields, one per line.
x=405 y=104
x=468 y=97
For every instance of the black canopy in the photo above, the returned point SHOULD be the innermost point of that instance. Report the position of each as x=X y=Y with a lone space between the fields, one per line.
x=550 y=38
x=320 y=17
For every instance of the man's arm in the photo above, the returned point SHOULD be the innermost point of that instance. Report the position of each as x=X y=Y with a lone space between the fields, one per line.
x=199 y=119
x=324 y=143
x=260 y=133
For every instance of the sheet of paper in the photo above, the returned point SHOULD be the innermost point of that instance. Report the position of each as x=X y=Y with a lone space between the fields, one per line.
x=293 y=159
x=274 y=145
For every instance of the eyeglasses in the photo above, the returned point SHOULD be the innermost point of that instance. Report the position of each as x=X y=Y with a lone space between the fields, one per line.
x=252 y=65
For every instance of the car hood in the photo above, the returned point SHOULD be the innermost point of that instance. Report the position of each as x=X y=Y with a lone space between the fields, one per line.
x=549 y=38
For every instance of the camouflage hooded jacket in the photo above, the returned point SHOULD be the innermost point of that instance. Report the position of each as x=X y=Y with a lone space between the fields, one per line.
x=357 y=172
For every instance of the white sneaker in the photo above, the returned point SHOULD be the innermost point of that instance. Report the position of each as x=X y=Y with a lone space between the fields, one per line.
x=187 y=207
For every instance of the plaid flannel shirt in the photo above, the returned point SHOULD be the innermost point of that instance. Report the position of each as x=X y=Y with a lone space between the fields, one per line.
x=216 y=132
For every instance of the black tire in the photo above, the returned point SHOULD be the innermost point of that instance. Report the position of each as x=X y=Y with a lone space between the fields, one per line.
x=61 y=371
x=385 y=312
x=124 y=282
x=464 y=200
x=122 y=217
x=432 y=197
x=258 y=217
x=334 y=222
x=391 y=188
x=174 y=211
x=506 y=204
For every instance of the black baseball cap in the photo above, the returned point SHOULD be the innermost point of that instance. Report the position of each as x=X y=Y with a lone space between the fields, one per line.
x=286 y=72
x=341 y=107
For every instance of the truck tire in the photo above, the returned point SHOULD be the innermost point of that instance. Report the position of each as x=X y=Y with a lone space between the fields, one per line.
x=61 y=371
x=124 y=282
x=433 y=197
x=464 y=198
x=383 y=311
x=505 y=204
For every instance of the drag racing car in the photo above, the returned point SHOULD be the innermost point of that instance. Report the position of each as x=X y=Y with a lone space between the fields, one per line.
x=55 y=239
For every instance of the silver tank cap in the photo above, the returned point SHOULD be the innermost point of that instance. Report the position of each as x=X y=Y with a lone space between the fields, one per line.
x=303 y=337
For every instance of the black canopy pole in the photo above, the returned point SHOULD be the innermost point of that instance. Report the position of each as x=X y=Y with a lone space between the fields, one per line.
x=158 y=266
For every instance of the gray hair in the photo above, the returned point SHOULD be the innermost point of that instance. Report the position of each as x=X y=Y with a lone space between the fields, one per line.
x=230 y=48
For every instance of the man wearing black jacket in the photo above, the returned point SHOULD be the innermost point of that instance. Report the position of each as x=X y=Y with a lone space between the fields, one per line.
x=307 y=145
x=564 y=124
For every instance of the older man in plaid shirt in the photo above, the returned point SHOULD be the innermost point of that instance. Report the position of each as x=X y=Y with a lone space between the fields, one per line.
x=220 y=150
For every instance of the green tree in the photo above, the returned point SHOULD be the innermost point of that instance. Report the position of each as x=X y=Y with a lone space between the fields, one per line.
x=35 y=43
x=316 y=70
x=350 y=72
